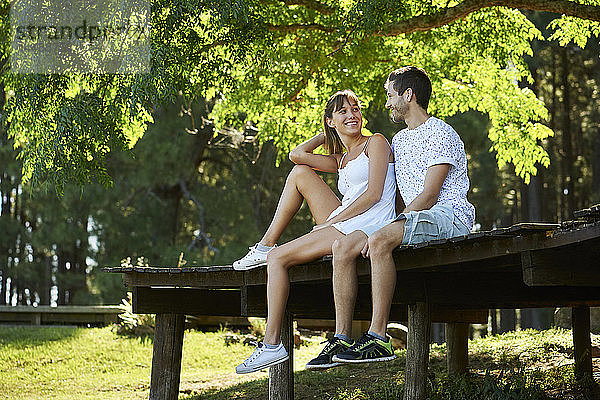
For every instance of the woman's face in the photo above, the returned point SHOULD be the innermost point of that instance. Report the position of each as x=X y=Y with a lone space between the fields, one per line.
x=347 y=120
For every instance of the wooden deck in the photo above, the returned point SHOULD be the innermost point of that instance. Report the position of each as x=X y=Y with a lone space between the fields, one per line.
x=454 y=281
x=62 y=315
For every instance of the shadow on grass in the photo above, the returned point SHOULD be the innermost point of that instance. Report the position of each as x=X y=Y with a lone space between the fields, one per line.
x=17 y=336
x=367 y=381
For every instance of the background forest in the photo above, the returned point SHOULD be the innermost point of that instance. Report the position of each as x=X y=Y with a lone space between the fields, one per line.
x=206 y=188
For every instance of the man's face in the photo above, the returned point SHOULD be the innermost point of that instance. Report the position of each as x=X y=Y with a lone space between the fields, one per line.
x=396 y=103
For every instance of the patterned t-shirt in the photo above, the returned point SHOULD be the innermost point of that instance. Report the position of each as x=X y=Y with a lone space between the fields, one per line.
x=431 y=143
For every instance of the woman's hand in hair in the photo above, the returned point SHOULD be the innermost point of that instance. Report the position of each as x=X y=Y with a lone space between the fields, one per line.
x=303 y=154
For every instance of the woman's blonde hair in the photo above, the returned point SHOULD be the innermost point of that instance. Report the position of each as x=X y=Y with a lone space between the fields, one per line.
x=333 y=144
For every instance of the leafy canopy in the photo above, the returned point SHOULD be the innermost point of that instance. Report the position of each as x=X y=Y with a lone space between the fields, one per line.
x=273 y=63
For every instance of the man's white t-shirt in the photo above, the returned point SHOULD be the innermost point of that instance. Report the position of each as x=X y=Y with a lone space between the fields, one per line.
x=431 y=143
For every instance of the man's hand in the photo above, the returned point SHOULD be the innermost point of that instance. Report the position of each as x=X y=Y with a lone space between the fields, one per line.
x=365 y=250
x=321 y=226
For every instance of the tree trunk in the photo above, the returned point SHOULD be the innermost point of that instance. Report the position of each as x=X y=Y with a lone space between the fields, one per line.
x=507 y=320
x=567 y=141
x=493 y=322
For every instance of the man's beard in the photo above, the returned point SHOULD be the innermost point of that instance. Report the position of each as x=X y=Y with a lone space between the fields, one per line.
x=399 y=113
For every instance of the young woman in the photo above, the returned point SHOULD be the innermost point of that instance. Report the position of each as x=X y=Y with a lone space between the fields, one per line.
x=367 y=183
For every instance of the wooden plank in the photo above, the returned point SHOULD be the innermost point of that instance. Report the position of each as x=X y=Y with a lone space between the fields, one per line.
x=588 y=213
x=281 y=376
x=470 y=292
x=573 y=265
x=61 y=309
x=166 y=357
x=457 y=336
x=316 y=301
x=72 y=315
x=511 y=241
x=417 y=351
x=493 y=289
x=582 y=346
x=197 y=278
x=225 y=302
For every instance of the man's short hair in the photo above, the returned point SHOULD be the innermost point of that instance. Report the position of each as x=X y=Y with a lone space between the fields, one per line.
x=414 y=78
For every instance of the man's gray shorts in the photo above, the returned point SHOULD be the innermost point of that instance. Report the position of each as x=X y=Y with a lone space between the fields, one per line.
x=439 y=222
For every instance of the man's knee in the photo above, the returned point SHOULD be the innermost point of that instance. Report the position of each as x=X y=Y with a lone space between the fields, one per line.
x=344 y=249
x=380 y=245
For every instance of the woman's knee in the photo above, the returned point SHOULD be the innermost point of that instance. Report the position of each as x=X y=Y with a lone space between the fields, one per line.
x=300 y=170
x=277 y=260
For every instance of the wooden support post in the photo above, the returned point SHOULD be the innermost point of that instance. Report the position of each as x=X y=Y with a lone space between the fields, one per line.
x=166 y=356
x=281 y=376
x=581 y=343
x=417 y=352
x=457 y=337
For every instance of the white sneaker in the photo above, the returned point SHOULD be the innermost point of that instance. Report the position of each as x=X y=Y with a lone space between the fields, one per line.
x=254 y=258
x=262 y=358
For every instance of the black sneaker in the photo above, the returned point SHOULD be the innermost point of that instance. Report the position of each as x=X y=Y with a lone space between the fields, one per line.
x=323 y=360
x=367 y=349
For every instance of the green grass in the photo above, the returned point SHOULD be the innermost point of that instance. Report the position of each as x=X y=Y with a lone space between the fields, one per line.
x=79 y=363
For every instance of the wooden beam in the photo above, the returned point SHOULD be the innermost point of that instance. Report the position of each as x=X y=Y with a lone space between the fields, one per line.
x=457 y=337
x=190 y=277
x=166 y=357
x=573 y=265
x=417 y=351
x=581 y=344
x=492 y=289
x=281 y=376
x=316 y=301
x=219 y=302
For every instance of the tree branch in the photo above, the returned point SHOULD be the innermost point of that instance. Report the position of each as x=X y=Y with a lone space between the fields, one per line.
x=299 y=27
x=311 y=4
x=449 y=15
x=202 y=234
x=446 y=16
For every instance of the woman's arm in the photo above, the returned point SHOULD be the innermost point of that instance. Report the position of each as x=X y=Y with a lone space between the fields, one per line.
x=303 y=154
x=379 y=152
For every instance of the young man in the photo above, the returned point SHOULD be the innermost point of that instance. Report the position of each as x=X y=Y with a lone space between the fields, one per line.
x=431 y=173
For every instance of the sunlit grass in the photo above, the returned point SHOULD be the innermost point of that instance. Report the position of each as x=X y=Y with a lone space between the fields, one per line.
x=78 y=363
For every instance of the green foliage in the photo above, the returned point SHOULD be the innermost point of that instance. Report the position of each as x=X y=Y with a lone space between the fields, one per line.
x=262 y=74
x=514 y=385
x=573 y=29
x=134 y=325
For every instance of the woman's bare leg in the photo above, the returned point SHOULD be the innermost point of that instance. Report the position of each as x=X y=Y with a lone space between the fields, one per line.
x=302 y=183
x=306 y=248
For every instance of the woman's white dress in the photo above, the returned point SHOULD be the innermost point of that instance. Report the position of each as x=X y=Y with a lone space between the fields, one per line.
x=352 y=182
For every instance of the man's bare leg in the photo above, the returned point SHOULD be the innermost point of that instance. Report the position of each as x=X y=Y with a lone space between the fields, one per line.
x=383 y=273
x=345 y=281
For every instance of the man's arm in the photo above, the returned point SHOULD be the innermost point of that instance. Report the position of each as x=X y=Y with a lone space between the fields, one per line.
x=434 y=179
